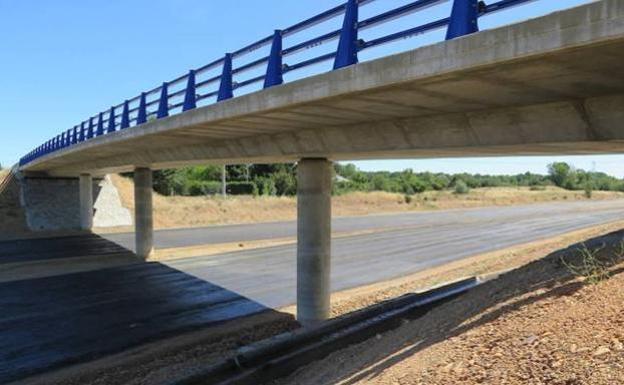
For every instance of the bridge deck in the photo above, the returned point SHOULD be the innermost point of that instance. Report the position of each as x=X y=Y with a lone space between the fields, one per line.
x=547 y=85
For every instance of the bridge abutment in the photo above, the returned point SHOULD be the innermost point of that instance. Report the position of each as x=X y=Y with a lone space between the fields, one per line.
x=314 y=181
x=143 y=215
x=62 y=204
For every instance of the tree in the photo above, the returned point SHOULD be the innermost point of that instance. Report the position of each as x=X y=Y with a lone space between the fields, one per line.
x=560 y=173
x=285 y=183
x=461 y=187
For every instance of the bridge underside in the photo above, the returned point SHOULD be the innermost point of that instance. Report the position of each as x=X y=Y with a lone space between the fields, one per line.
x=553 y=85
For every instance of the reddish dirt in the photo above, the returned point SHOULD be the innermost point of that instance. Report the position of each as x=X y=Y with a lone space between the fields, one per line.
x=538 y=324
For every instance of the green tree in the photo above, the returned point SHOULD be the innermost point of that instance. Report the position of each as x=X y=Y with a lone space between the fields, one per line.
x=285 y=183
x=560 y=173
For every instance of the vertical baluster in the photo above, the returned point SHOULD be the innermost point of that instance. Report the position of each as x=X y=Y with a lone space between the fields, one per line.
x=125 y=116
x=75 y=135
x=464 y=19
x=100 y=126
x=111 y=121
x=346 y=54
x=190 y=96
x=225 y=88
x=163 y=103
x=81 y=135
x=142 y=113
x=90 y=130
x=274 y=73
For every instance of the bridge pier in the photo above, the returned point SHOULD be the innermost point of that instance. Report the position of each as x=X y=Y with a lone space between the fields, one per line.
x=314 y=181
x=86 y=201
x=143 y=217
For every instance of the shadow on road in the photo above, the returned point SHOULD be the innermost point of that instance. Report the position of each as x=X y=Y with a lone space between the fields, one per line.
x=47 y=323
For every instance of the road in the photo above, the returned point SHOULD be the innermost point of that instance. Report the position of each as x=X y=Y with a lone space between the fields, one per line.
x=50 y=322
x=397 y=244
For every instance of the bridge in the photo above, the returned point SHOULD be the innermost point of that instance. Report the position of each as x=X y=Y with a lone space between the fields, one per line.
x=550 y=85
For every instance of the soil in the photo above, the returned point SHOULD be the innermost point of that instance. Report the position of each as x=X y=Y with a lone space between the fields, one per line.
x=537 y=324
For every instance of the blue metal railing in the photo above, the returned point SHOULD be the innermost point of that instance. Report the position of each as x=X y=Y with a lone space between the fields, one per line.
x=164 y=100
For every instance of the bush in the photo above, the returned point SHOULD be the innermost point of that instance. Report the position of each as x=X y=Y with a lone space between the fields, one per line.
x=461 y=187
x=196 y=188
x=408 y=199
x=591 y=267
x=588 y=190
x=242 y=188
x=285 y=183
x=266 y=186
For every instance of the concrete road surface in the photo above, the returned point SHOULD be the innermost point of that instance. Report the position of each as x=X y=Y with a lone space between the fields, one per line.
x=401 y=244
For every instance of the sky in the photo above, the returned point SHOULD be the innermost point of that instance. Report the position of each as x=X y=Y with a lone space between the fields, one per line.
x=63 y=61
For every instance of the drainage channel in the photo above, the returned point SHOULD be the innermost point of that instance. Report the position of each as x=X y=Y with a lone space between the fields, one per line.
x=279 y=356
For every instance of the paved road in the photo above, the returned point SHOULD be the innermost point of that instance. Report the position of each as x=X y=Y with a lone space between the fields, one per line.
x=274 y=230
x=406 y=243
x=50 y=322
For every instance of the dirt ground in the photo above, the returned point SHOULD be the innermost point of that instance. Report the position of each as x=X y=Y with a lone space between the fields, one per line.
x=172 y=212
x=537 y=324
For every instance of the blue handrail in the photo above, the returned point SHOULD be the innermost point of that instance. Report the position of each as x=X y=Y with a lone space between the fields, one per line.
x=160 y=102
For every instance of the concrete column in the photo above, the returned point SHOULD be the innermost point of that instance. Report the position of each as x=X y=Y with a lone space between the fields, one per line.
x=144 y=226
x=86 y=202
x=314 y=180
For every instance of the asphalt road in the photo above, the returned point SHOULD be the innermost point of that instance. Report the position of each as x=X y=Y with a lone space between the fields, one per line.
x=275 y=230
x=401 y=244
x=50 y=322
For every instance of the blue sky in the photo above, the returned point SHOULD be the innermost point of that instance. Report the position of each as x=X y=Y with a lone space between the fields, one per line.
x=63 y=61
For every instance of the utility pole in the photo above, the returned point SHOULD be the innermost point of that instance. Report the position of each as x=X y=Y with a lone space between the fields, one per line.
x=223 y=185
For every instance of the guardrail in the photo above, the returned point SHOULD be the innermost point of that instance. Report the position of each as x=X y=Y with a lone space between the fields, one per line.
x=197 y=87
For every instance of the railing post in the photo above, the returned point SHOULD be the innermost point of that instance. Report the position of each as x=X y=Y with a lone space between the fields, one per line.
x=111 y=121
x=190 y=96
x=90 y=131
x=348 y=44
x=163 y=104
x=125 y=116
x=225 y=88
x=142 y=113
x=82 y=135
x=274 y=73
x=100 y=125
x=463 y=19
x=75 y=135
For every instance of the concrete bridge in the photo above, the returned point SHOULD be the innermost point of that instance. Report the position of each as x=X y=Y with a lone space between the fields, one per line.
x=550 y=85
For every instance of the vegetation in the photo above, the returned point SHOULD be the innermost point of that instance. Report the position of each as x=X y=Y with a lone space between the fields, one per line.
x=590 y=267
x=280 y=180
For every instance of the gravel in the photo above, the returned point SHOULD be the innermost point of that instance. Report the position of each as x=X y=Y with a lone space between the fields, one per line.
x=538 y=324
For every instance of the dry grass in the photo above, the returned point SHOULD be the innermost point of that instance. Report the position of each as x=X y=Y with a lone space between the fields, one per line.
x=170 y=212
